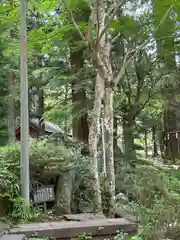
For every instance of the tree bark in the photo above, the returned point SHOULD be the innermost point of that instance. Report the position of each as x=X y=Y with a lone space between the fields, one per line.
x=94 y=134
x=106 y=93
x=170 y=130
x=109 y=142
x=79 y=100
x=129 y=148
x=40 y=110
x=166 y=54
x=161 y=141
x=115 y=137
x=146 y=145
x=155 y=148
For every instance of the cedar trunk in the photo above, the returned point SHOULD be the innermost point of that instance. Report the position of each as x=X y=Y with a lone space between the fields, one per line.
x=155 y=148
x=80 y=116
x=166 y=54
x=129 y=148
x=145 y=141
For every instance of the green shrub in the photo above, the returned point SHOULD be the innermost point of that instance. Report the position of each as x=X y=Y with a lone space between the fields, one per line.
x=124 y=236
x=156 y=202
x=43 y=157
x=9 y=170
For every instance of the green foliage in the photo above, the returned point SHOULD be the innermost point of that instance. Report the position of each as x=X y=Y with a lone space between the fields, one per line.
x=43 y=154
x=156 y=201
x=10 y=169
x=84 y=236
x=35 y=235
x=141 y=94
x=124 y=236
x=3 y=100
x=105 y=195
x=43 y=157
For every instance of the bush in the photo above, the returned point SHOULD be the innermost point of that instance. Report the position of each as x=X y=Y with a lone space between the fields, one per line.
x=125 y=236
x=156 y=202
x=9 y=170
x=44 y=158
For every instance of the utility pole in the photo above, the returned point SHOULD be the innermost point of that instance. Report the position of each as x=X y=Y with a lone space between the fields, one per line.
x=24 y=105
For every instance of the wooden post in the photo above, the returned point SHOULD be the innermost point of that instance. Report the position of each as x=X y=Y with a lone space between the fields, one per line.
x=24 y=105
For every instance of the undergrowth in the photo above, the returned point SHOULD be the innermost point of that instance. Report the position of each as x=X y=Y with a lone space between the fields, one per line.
x=155 y=192
x=42 y=156
x=155 y=202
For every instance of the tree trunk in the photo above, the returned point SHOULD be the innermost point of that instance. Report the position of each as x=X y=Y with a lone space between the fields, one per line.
x=40 y=111
x=155 y=148
x=66 y=102
x=63 y=193
x=94 y=134
x=166 y=54
x=104 y=91
x=161 y=141
x=115 y=134
x=117 y=149
x=146 y=145
x=129 y=148
x=11 y=109
x=170 y=131
x=109 y=140
x=79 y=100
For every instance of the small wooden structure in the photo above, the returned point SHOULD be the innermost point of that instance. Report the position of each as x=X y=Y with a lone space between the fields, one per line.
x=100 y=228
x=169 y=144
x=35 y=124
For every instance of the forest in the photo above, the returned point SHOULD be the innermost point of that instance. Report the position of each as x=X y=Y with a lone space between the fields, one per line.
x=103 y=107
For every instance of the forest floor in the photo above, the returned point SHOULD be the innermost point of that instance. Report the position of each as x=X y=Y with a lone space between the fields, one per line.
x=49 y=215
x=158 y=162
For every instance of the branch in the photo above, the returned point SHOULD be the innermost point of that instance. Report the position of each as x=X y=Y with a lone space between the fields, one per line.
x=150 y=92
x=101 y=64
x=140 y=80
x=127 y=61
x=129 y=94
x=97 y=18
x=115 y=38
x=74 y=22
x=93 y=17
x=111 y=14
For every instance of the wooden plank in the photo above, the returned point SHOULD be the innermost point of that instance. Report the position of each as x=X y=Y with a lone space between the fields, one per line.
x=13 y=237
x=74 y=229
x=83 y=217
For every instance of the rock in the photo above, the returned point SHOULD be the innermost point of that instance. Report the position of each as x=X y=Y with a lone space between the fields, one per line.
x=122 y=198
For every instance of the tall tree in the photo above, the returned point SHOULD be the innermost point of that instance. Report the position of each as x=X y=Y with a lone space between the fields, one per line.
x=79 y=99
x=166 y=53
